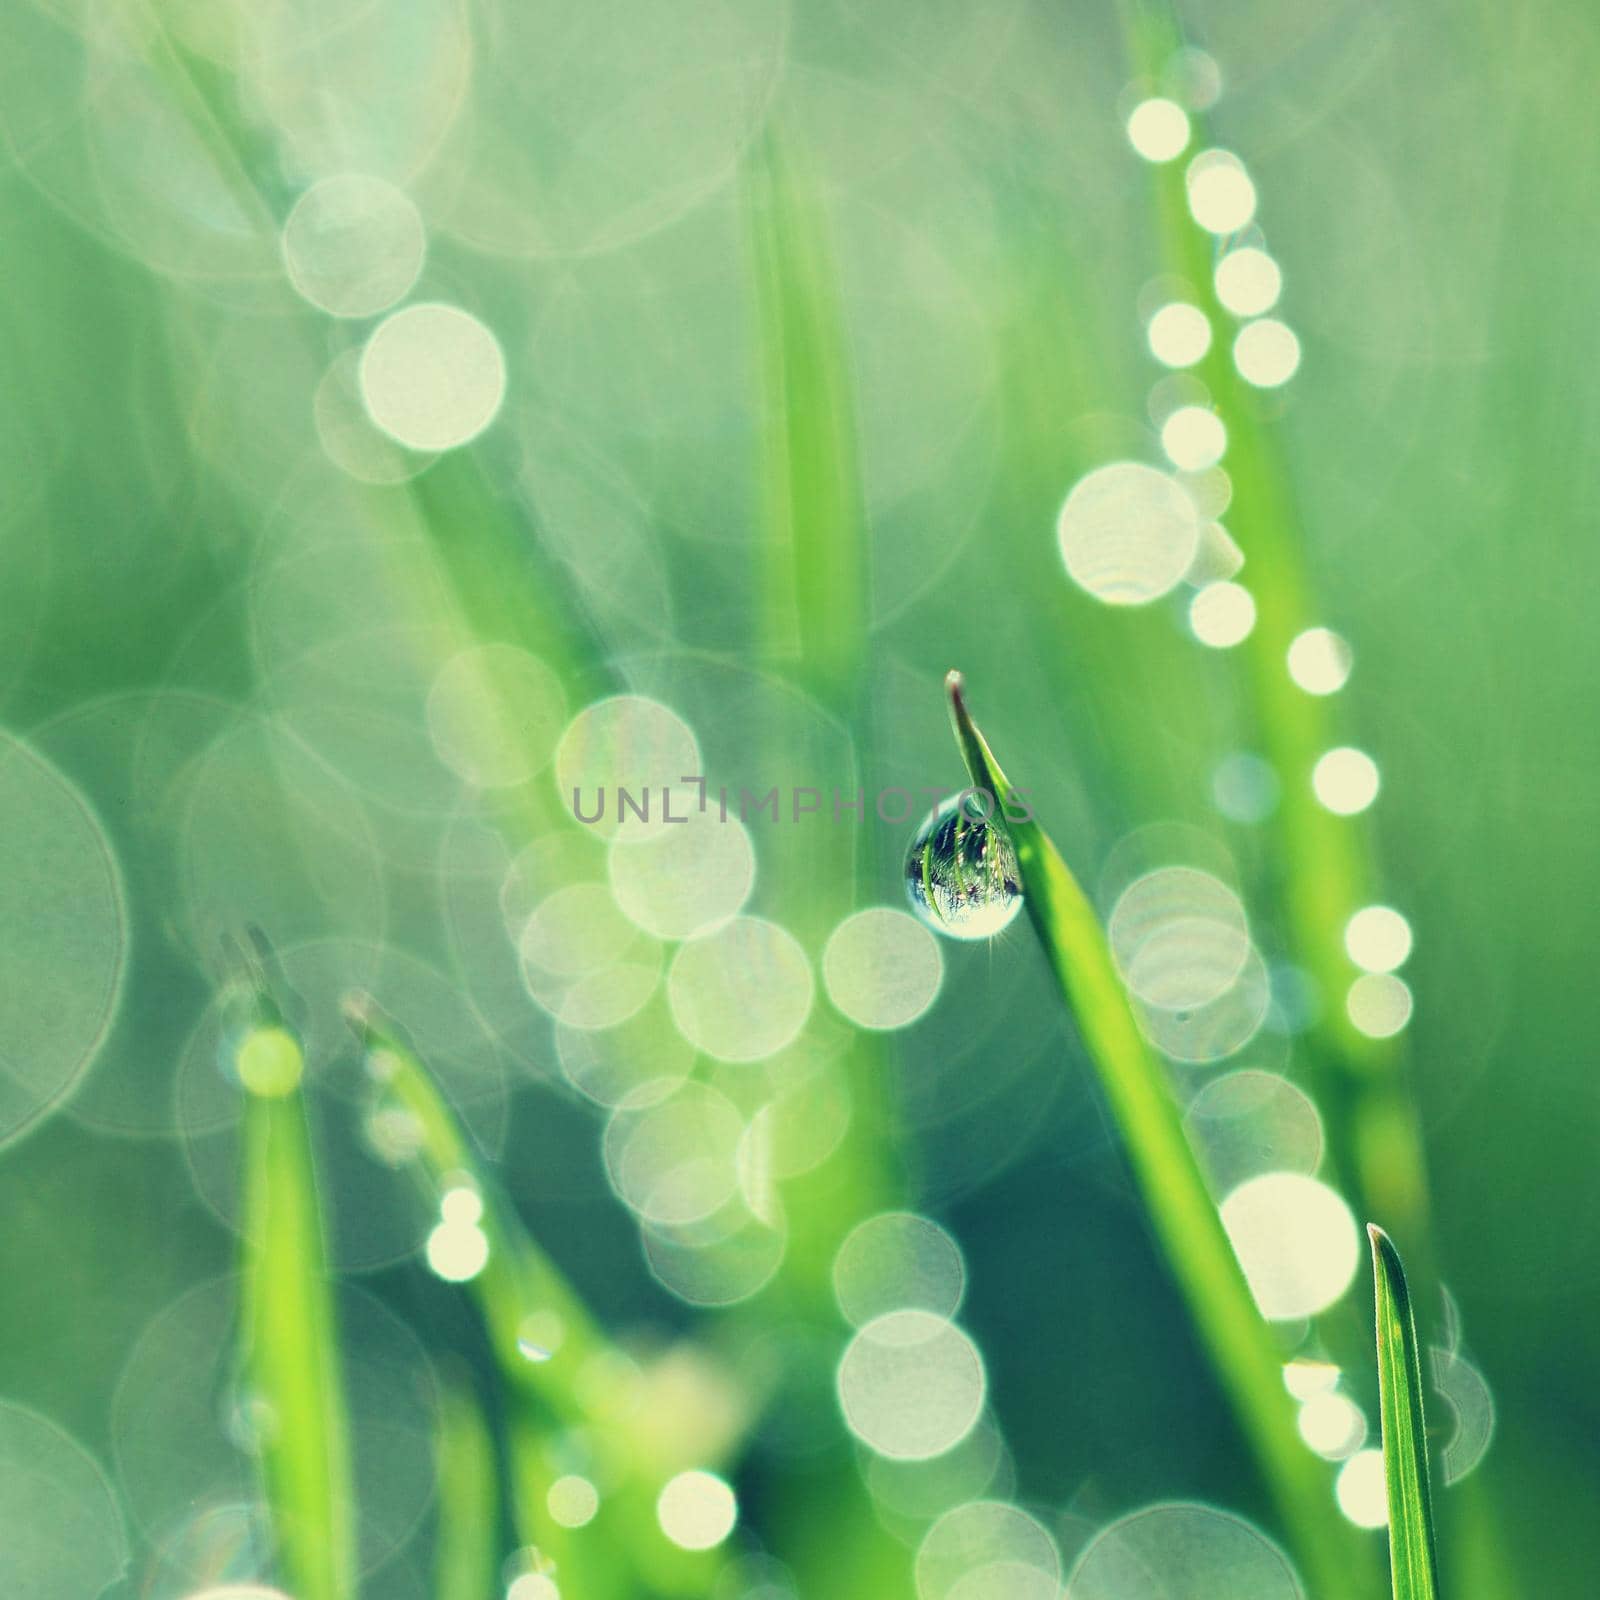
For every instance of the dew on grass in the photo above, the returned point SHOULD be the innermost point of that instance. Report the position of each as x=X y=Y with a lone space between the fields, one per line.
x=1378 y=939
x=457 y=1251
x=64 y=1537
x=270 y=1063
x=1248 y=281
x=1218 y=557
x=882 y=968
x=572 y=1501
x=911 y=1385
x=1194 y=438
x=1267 y=353
x=1179 y=334
x=1248 y=1123
x=1305 y=1377
x=1222 y=199
x=63 y=958
x=697 y=1510
x=1182 y=1552
x=961 y=871
x=1320 y=661
x=433 y=376
x=1332 y=1425
x=1158 y=129
x=988 y=1550
x=1345 y=780
x=1361 y=1490
x=1128 y=532
x=897 y=1261
x=1379 y=1004
x=743 y=992
x=353 y=245
x=540 y=1336
x=1222 y=615
x=1296 y=1241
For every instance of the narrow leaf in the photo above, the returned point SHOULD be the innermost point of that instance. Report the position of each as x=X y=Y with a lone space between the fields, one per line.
x=289 y=1331
x=466 y=1558
x=1413 y=1560
x=1181 y=1211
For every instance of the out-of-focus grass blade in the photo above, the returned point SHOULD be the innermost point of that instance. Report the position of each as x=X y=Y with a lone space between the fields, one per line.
x=810 y=478
x=469 y=1499
x=1412 y=1558
x=289 y=1331
x=1181 y=1211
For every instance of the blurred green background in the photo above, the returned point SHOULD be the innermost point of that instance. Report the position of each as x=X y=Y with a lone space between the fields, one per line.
x=223 y=639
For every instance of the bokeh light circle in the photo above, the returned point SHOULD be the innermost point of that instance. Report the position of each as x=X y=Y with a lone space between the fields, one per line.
x=1296 y=1241
x=897 y=1261
x=1128 y=533
x=743 y=992
x=353 y=245
x=882 y=968
x=1182 y=1552
x=1248 y=281
x=1158 y=129
x=64 y=1538
x=988 y=1550
x=63 y=953
x=1345 y=780
x=912 y=1385
x=697 y=1510
x=433 y=376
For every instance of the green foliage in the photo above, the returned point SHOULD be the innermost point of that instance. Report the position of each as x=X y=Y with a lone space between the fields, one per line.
x=1181 y=1212
x=1413 y=1559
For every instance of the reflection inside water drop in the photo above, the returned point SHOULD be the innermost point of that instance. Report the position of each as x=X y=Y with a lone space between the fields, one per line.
x=961 y=870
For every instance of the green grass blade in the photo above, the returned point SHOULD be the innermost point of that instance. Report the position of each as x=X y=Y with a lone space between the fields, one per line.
x=1185 y=1219
x=289 y=1329
x=816 y=598
x=1413 y=1561
x=466 y=1559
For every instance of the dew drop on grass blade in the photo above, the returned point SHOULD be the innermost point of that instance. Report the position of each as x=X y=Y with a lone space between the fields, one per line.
x=1181 y=1211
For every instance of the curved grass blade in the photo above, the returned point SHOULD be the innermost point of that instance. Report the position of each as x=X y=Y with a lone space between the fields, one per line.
x=290 y=1349
x=1413 y=1561
x=1181 y=1211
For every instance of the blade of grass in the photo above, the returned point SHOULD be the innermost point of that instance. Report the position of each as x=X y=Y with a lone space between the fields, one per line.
x=555 y=1387
x=465 y=1562
x=1185 y=1220
x=1413 y=1561
x=289 y=1329
x=810 y=479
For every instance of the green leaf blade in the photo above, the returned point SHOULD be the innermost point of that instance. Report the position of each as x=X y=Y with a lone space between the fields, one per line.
x=291 y=1349
x=1182 y=1214
x=1413 y=1556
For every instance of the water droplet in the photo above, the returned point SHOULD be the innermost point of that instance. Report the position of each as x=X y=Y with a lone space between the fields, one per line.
x=961 y=870
x=539 y=1336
